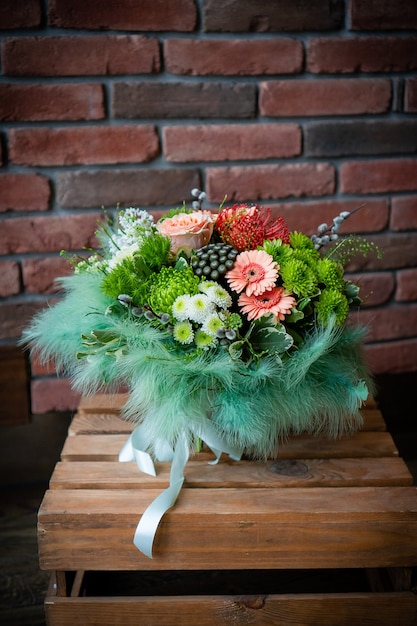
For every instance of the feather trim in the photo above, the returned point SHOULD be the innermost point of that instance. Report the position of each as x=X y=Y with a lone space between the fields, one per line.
x=316 y=390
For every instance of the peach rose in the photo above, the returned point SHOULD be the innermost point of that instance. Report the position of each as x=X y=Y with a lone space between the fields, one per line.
x=188 y=231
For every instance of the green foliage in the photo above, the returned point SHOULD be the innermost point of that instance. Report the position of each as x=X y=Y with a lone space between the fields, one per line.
x=349 y=247
x=177 y=211
x=266 y=336
x=170 y=283
x=154 y=251
x=122 y=279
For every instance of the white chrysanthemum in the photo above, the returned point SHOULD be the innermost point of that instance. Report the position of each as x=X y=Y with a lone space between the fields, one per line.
x=93 y=263
x=132 y=219
x=206 y=284
x=204 y=340
x=212 y=324
x=217 y=294
x=121 y=255
x=200 y=307
x=183 y=332
x=135 y=225
x=180 y=308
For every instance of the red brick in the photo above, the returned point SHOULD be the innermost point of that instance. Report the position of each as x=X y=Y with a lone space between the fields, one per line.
x=406 y=285
x=36 y=102
x=223 y=142
x=361 y=54
x=51 y=233
x=80 y=56
x=20 y=13
x=133 y=100
x=306 y=216
x=39 y=274
x=389 y=323
x=39 y=368
x=83 y=145
x=410 y=97
x=392 y=357
x=126 y=187
x=242 y=183
x=14 y=316
x=404 y=213
x=233 y=56
x=24 y=192
x=9 y=278
x=134 y=15
x=360 y=137
x=399 y=250
x=378 y=176
x=266 y=16
x=340 y=96
x=376 y=288
x=53 y=394
x=383 y=15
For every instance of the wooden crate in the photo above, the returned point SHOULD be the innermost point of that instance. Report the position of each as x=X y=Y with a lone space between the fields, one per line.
x=325 y=535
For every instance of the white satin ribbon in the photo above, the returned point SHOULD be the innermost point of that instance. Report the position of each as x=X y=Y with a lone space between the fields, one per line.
x=135 y=450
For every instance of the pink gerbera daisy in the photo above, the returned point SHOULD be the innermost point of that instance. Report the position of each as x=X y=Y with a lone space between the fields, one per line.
x=254 y=270
x=274 y=301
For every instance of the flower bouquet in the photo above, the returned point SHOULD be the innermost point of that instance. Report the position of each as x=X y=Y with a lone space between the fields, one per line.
x=226 y=328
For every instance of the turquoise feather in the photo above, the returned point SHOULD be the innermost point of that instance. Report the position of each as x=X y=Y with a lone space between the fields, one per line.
x=318 y=389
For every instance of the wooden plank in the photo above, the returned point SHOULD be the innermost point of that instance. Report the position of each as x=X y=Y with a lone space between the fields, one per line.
x=232 y=529
x=88 y=422
x=384 y=609
x=390 y=471
x=103 y=447
x=99 y=423
x=103 y=403
x=112 y=403
x=373 y=419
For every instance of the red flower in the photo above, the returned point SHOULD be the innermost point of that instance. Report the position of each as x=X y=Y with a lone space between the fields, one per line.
x=246 y=227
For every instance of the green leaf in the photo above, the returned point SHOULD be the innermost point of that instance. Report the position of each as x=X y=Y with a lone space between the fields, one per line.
x=271 y=340
x=294 y=317
x=236 y=349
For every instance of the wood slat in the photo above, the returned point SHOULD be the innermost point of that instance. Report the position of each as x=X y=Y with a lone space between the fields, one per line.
x=89 y=422
x=106 y=447
x=99 y=423
x=112 y=403
x=390 y=471
x=103 y=403
x=232 y=529
x=383 y=609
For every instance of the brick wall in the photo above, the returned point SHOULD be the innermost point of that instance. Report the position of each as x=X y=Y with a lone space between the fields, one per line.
x=309 y=107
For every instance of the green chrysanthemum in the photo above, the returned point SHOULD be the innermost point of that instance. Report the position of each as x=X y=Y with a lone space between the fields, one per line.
x=183 y=332
x=332 y=303
x=300 y=240
x=330 y=274
x=307 y=256
x=279 y=251
x=212 y=324
x=298 y=278
x=168 y=284
x=203 y=339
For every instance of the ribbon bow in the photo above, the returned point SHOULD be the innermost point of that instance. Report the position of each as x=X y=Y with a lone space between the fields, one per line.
x=135 y=450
